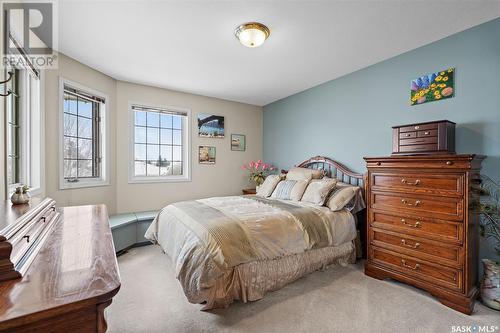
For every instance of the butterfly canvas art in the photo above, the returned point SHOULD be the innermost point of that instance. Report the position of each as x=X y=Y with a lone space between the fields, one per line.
x=433 y=87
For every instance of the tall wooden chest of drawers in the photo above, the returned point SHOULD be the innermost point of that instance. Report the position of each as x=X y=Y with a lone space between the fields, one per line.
x=421 y=228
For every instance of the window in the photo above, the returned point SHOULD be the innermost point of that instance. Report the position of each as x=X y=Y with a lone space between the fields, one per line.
x=24 y=131
x=82 y=137
x=159 y=144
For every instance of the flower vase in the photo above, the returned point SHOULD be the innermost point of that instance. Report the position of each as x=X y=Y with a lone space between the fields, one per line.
x=19 y=197
x=490 y=286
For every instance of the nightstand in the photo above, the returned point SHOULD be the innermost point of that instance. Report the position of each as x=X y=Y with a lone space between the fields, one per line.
x=249 y=191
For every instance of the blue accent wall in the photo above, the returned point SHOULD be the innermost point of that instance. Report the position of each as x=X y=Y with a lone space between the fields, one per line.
x=351 y=117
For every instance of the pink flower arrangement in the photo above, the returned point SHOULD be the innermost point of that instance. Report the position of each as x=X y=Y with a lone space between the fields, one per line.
x=258 y=170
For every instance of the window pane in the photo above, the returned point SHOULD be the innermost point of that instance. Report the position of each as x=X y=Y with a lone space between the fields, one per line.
x=177 y=168
x=140 y=118
x=152 y=168
x=84 y=127
x=166 y=136
x=70 y=124
x=10 y=166
x=177 y=122
x=177 y=137
x=84 y=149
x=140 y=134
x=166 y=152
x=153 y=135
x=69 y=168
x=84 y=108
x=84 y=168
x=70 y=148
x=140 y=153
x=153 y=119
x=140 y=168
x=177 y=153
x=166 y=170
x=70 y=104
x=153 y=152
x=166 y=120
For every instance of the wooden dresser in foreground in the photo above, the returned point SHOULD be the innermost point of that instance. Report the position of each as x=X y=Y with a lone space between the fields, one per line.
x=72 y=276
x=421 y=227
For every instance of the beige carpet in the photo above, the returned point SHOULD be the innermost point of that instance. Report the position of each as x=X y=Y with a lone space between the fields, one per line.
x=339 y=299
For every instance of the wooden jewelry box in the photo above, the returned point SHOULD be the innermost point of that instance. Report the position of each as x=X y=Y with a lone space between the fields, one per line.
x=436 y=137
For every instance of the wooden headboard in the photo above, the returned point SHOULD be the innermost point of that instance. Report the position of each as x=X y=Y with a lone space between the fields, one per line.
x=334 y=169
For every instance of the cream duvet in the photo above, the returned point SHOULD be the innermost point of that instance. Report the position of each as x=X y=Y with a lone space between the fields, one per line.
x=215 y=242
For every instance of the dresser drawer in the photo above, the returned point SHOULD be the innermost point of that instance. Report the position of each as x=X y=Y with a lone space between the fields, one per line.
x=418 y=148
x=427 y=228
x=424 y=134
x=416 y=247
x=434 y=273
x=446 y=208
x=419 y=127
x=408 y=135
x=418 y=141
x=444 y=184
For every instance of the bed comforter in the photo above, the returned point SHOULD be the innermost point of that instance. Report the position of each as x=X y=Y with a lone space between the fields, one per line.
x=209 y=239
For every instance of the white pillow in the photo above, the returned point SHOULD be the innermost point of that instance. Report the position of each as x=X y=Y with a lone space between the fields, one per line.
x=318 y=189
x=290 y=189
x=267 y=188
x=341 y=196
x=303 y=174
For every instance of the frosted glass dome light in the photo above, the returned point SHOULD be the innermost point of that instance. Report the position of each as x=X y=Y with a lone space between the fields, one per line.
x=252 y=34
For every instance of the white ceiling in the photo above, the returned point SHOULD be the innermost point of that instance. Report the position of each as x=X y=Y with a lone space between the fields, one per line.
x=190 y=46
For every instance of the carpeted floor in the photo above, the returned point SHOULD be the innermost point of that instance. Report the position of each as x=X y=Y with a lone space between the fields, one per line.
x=339 y=299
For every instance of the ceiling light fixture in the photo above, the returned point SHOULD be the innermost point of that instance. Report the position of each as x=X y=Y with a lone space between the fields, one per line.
x=252 y=34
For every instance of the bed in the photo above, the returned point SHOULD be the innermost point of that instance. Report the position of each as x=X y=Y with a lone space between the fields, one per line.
x=241 y=247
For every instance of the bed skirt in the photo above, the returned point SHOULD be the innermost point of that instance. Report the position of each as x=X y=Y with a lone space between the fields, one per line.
x=251 y=281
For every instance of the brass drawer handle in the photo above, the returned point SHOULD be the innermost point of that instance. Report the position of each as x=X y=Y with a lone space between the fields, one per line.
x=417 y=127
x=416 y=246
x=416 y=225
x=405 y=265
x=408 y=135
x=427 y=133
x=405 y=202
x=449 y=162
x=416 y=183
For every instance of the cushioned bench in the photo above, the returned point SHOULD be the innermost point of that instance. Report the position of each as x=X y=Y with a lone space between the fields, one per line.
x=128 y=229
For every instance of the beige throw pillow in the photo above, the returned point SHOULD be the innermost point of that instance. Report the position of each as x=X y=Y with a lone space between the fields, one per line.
x=267 y=188
x=318 y=189
x=341 y=196
x=303 y=174
x=290 y=190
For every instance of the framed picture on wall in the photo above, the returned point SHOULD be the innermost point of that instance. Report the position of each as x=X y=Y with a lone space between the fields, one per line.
x=210 y=126
x=206 y=155
x=433 y=87
x=238 y=142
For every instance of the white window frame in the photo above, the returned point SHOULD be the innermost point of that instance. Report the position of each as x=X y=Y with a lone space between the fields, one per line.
x=186 y=144
x=32 y=147
x=104 y=174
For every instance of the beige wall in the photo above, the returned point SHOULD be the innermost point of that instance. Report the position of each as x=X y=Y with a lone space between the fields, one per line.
x=223 y=178
x=74 y=71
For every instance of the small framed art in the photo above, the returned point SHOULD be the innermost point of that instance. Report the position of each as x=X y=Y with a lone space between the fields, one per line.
x=206 y=155
x=238 y=142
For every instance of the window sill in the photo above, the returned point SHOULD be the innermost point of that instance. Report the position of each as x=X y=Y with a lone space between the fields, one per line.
x=148 y=180
x=63 y=185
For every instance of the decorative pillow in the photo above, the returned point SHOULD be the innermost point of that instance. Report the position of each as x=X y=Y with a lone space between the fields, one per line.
x=290 y=190
x=303 y=174
x=318 y=189
x=267 y=188
x=341 y=196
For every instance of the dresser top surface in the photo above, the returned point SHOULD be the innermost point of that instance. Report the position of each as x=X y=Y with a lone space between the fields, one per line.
x=10 y=213
x=77 y=264
x=425 y=123
x=436 y=157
